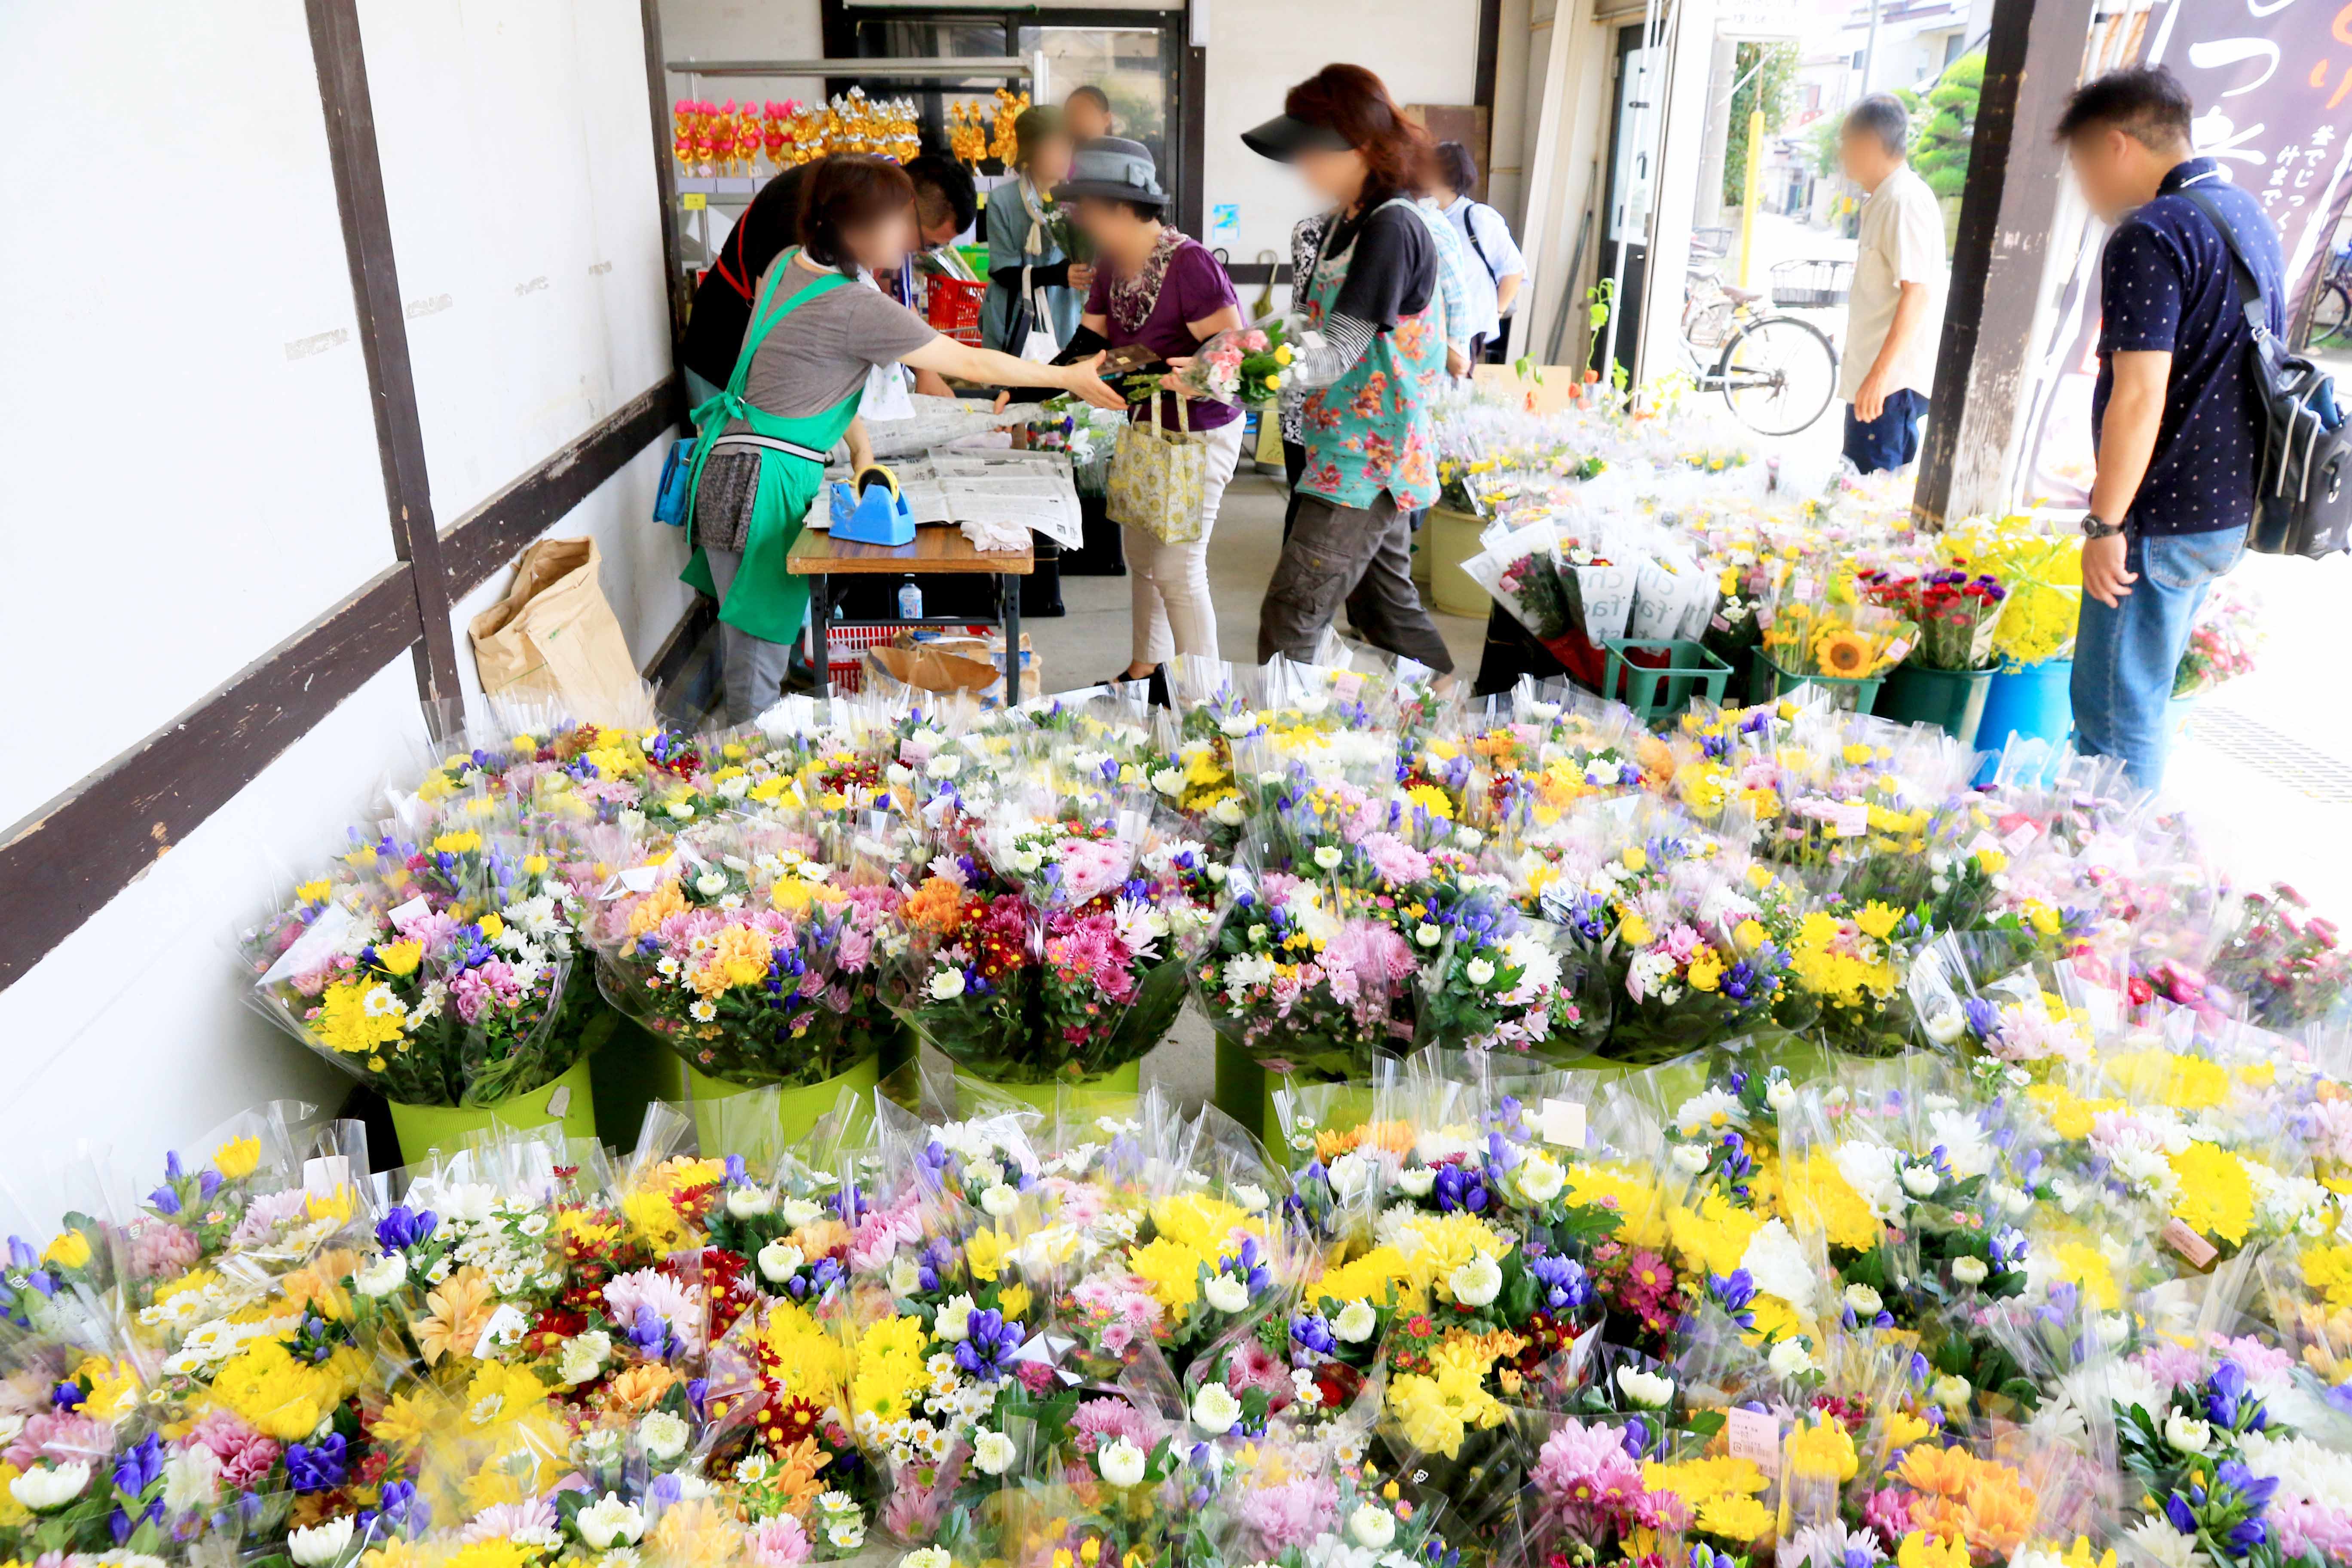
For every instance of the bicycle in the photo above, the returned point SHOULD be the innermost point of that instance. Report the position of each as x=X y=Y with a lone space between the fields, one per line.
x=1777 y=373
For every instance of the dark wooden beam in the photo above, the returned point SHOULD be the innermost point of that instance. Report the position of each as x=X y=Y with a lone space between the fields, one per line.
x=70 y=858
x=88 y=844
x=1490 y=46
x=487 y=538
x=335 y=50
x=1193 y=103
x=2034 y=59
x=674 y=287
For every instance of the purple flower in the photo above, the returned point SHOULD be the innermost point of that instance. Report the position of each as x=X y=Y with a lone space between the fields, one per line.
x=987 y=1351
x=2179 y=1515
x=402 y=1227
x=316 y=1466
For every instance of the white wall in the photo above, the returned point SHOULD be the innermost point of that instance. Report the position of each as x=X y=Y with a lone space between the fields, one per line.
x=134 y=1032
x=188 y=468
x=742 y=30
x=1426 y=50
x=188 y=464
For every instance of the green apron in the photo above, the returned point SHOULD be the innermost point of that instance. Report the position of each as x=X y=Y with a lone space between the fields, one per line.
x=766 y=601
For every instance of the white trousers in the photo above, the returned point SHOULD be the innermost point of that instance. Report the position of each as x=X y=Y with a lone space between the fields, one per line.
x=1172 y=613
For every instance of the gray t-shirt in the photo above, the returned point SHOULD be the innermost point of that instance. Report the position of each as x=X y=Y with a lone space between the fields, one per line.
x=820 y=353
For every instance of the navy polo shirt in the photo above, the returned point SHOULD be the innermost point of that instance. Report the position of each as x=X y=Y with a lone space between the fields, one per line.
x=2165 y=283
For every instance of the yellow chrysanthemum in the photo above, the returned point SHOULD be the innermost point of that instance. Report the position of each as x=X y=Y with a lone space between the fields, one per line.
x=2216 y=1197
x=1630 y=1191
x=889 y=1368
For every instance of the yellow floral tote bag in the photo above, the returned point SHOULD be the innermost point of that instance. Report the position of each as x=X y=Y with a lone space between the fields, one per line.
x=1159 y=478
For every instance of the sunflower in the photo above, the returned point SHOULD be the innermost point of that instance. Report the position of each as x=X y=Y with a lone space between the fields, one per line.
x=1843 y=653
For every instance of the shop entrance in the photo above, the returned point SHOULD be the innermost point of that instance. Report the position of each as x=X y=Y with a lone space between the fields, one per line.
x=1630 y=194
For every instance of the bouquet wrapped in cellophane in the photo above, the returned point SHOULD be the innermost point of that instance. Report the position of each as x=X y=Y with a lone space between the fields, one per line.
x=435 y=971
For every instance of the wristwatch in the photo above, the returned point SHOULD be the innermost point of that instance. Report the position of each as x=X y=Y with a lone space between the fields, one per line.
x=2097 y=527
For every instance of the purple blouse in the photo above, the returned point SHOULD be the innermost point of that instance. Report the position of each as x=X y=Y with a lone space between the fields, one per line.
x=1194 y=287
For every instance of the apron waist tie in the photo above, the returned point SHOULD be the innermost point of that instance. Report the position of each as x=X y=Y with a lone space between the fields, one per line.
x=771 y=444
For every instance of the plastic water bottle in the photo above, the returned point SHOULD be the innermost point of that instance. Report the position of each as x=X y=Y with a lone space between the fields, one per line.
x=910 y=600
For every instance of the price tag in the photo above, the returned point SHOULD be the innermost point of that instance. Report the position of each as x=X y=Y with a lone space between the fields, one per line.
x=1348 y=686
x=1982 y=842
x=1764 y=616
x=505 y=1328
x=417 y=909
x=692 y=201
x=1718 y=623
x=1850 y=818
x=1755 y=1437
x=1561 y=1122
x=559 y=1101
x=312 y=947
x=2019 y=836
x=2195 y=1248
x=1897 y=650
x=322 y=1177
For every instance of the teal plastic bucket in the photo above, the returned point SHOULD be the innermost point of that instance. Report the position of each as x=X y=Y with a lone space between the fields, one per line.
x=2029 y=700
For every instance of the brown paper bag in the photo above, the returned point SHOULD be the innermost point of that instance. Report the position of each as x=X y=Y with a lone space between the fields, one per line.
x=555 y=636
x=946 y=663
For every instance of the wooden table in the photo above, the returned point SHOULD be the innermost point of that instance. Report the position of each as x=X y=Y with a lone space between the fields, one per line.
x=938 y=548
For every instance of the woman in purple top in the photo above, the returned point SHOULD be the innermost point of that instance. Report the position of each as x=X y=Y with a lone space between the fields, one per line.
x=1153 y=286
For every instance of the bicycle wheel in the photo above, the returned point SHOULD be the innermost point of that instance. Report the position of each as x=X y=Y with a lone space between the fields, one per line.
x=1777 y=374
x=2331 y=316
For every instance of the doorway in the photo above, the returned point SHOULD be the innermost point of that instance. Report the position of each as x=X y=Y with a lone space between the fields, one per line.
x=1628 y=195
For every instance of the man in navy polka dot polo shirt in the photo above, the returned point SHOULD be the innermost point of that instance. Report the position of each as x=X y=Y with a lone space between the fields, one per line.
x=2175 y=413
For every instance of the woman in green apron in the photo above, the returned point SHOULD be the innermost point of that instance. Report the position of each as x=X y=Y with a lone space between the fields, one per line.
x=816 y=331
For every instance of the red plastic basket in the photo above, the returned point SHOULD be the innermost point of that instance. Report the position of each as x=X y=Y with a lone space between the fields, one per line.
x=952 y=306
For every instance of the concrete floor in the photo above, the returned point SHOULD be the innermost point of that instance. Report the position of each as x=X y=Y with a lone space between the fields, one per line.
x=1091 y=644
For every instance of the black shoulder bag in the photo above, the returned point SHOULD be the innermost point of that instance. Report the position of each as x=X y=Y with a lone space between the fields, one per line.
x=2301 y=506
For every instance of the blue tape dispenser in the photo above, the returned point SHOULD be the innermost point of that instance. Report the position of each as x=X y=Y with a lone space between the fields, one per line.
x=868 y=510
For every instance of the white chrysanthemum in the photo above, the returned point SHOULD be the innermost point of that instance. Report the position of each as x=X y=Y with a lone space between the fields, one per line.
x=1776 y=1262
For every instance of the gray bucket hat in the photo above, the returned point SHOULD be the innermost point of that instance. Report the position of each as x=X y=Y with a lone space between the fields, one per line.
x=1116 y=168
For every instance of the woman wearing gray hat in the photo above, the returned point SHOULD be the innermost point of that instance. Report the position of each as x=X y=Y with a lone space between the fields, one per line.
x=1156 y=287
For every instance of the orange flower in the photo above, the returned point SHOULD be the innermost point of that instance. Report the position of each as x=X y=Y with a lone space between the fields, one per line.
x=460 y=1311
x=937 y=906
x=320 y=1285
x=656 y=906
x=640 y=1388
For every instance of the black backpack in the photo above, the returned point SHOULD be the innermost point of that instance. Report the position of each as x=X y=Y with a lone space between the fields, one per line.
x=2303 y=505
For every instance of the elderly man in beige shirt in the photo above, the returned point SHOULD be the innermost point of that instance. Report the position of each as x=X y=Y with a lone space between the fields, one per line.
x=1897 y=307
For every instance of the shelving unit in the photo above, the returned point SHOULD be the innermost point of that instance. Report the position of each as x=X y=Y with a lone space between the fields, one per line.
x=698 y=194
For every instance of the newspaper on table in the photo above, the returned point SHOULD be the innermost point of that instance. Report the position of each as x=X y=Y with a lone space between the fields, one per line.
x=995 y=496
x=938 y=422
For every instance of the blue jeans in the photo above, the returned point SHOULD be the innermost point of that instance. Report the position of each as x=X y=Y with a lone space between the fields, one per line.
x=1890 y=440
x=2124 y=658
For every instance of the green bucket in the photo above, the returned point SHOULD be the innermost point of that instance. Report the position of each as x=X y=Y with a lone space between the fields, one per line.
x=799 y=1107
x=1660 y=677
x=1118 y=1084
x=1451 y=538
x=1241 y=1091
x=1951 y=699
x=569 y=1100
x=1852 y=694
